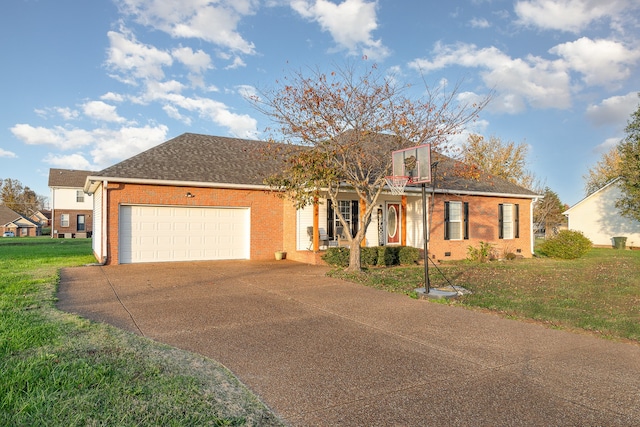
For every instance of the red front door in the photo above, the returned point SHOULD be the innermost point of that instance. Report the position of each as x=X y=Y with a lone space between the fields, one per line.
x=393 y=223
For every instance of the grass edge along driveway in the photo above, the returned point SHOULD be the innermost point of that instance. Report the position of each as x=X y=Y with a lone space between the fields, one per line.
x=57 y=369
x=597 y=294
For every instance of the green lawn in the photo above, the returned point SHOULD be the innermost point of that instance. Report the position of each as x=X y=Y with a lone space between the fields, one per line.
x=57 y=369
x=599 y=293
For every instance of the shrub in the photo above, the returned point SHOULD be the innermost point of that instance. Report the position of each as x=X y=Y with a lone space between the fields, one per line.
x=369 y=256
x=338 y=257
x=387 y=255
x=408 y=255
x=481 y=253
x=567 y=244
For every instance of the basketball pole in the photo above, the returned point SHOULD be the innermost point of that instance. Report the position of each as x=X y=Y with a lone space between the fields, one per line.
x=427 y=285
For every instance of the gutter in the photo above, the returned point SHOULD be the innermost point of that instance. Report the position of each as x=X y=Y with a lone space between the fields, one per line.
x=534 y=197
x=93 y=182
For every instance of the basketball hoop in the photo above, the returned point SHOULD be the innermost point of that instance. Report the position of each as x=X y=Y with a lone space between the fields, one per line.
x=396 y=184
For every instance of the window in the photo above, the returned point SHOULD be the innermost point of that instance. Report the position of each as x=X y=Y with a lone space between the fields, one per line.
x=79 y=196
x=64 y=220
x=456 y=220
x=349 y=210
x=509 y=221
x=80 y=223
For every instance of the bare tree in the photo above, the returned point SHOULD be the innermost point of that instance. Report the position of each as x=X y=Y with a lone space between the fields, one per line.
x=339 y=130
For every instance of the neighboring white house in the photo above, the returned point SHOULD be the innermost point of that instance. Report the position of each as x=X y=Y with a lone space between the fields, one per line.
x=71 y=207
x=597 y=217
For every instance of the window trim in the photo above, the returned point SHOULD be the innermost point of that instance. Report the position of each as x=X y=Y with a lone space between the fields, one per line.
x=63 y=221
x=79 y=196
x=464 y=220
x=515 y=222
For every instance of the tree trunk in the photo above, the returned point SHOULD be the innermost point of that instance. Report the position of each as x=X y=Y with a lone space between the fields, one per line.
x=354 y=255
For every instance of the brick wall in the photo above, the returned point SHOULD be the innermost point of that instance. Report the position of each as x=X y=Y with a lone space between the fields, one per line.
x=483 y=226
x=267 y=212
x=73 y=222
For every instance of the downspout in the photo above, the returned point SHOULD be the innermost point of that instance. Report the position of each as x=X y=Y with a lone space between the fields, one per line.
x=53 y=210
x=532 y=237
x=105 y=212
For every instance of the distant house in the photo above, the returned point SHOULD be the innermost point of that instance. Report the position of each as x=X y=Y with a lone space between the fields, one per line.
x=11 y=220
x=597 y=217
x=42 y=217
x=71 y=207
x=200 y=197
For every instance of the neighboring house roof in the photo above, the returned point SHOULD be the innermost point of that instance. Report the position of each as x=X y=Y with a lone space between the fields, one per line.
x=9 y=216
x=68 y=178
x=591 y=196
x=194 y=158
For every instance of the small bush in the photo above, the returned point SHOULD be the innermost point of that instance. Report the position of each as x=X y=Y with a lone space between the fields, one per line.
x=481 y=253
x=388 y=255
x=369 y=256
x=567 y=244
x=408 y=255
x=337 y=257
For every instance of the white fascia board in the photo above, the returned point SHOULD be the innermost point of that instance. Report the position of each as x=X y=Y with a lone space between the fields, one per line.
x=92 y=183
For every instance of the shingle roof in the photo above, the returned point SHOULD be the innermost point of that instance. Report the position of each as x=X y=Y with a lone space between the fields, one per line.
x=68 y=178
x=199 y=158
x=215 y=159
x=452 y=175
x=8 y=215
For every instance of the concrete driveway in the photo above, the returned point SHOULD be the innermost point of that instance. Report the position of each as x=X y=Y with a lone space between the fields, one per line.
x=321 y=351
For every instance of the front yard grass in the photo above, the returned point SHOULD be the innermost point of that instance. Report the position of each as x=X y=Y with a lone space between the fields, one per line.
x=57 y=369
x=599 y=293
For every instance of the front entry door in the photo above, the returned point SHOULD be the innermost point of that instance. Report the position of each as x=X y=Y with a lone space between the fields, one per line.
x=393 y=223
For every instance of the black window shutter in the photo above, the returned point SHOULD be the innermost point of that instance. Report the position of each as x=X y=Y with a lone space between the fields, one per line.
x=517 y=221
x=355 y=217
x=330 y=219
x=446 y=220
x=466 y=220
x=500 y=222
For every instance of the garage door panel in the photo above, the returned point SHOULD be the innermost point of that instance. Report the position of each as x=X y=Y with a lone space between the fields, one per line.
x=163 y=233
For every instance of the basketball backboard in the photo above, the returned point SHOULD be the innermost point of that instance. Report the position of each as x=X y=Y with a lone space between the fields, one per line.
x=414 y=162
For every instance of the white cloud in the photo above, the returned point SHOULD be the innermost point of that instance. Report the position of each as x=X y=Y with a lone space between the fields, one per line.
x=7 y=154
x=570 y=15
x=350 y=23
x=58 y=136
x=93 y=149
x=607 y=145
x=69 y=161
x=113 y=97
x=601 y=62
x=197 y=62
x=479 y=23
x=99 y=110
x=212 y=21
x=111 y=146
x=614 y=111
x=133 y=61
x=533 y=80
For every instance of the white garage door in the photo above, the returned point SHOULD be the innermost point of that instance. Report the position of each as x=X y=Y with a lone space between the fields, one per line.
x=163 y=233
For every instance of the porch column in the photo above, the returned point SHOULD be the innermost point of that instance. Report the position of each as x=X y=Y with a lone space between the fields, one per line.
x=316 y=225
x=403 y=221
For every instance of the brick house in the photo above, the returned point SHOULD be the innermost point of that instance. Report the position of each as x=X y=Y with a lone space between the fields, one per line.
x=71 y=207
x=21 y=226
x=199 y=197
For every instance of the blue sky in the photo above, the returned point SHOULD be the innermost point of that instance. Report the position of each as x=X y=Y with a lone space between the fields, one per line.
x=87 y=84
